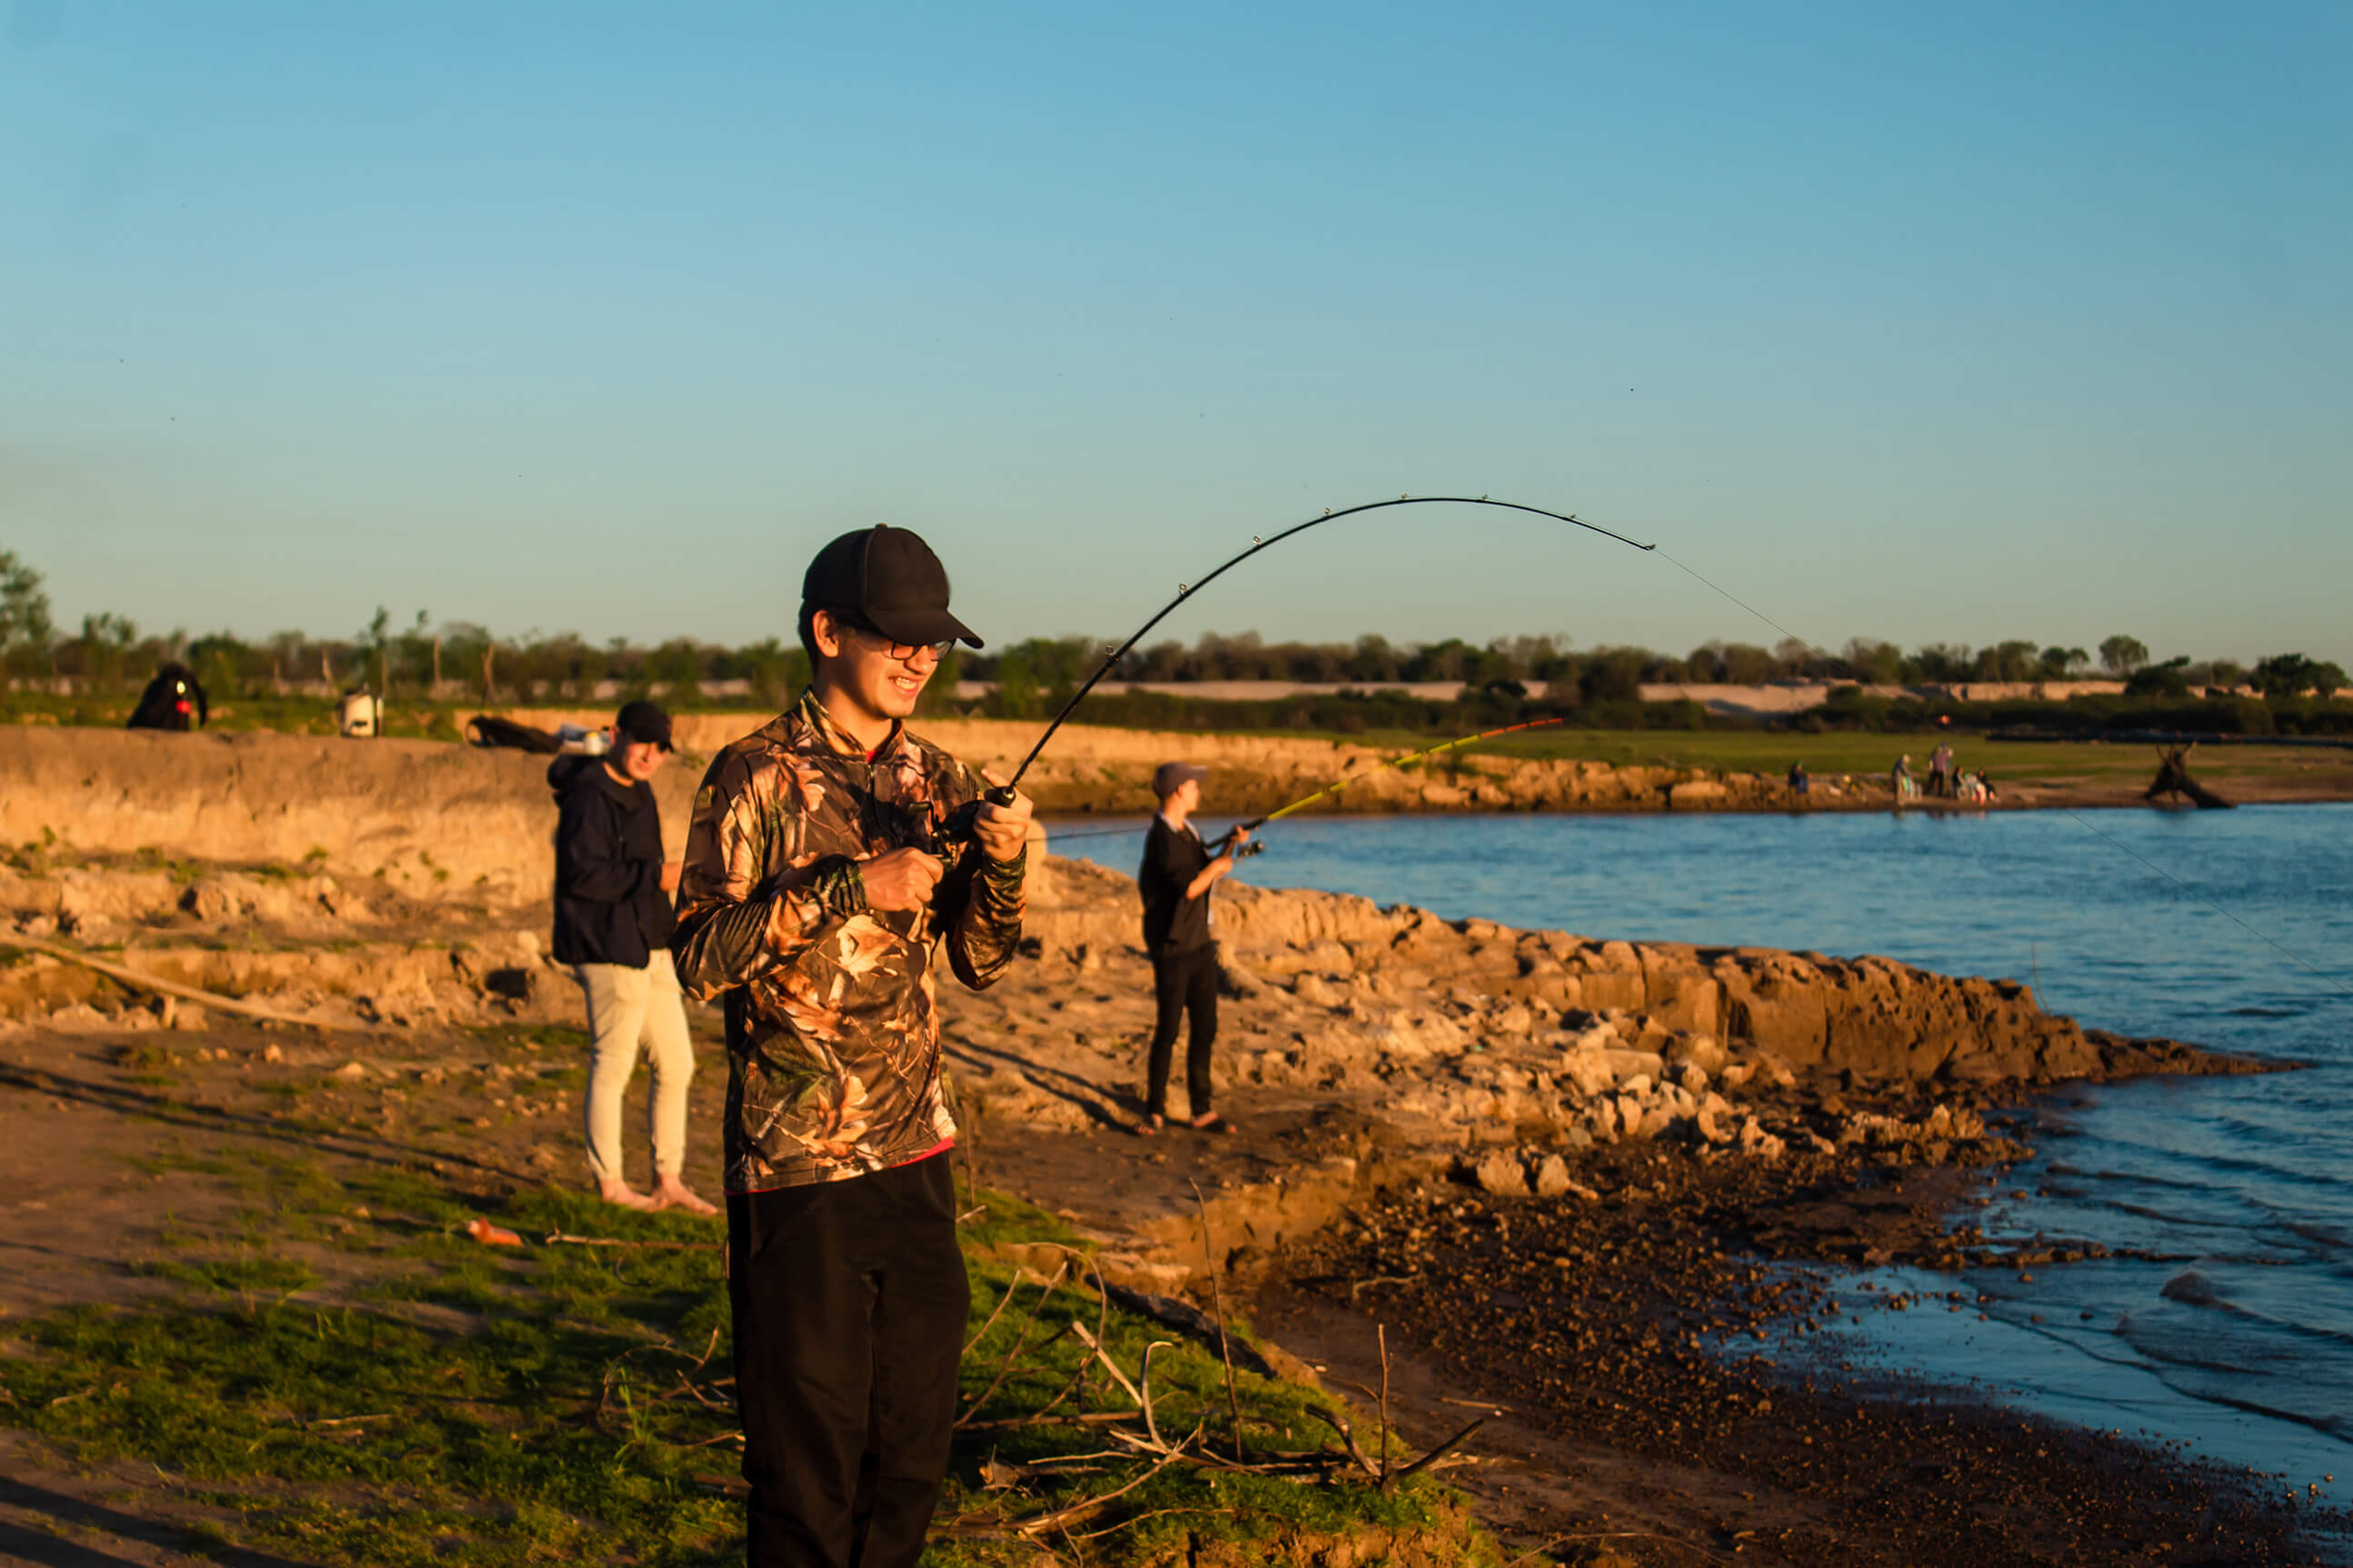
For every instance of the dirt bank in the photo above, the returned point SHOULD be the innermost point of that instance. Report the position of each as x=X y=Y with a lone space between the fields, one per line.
x=430 y=818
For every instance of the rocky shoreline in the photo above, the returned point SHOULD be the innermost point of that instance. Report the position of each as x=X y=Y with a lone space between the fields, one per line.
x=1599 y=1190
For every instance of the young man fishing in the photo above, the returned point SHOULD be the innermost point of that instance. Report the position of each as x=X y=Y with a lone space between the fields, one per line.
x=1174 y=881
x=613 y=888
x=814 y=899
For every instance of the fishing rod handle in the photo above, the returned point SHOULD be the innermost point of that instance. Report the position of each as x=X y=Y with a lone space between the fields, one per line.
x=1226 y=846
x=959 y=830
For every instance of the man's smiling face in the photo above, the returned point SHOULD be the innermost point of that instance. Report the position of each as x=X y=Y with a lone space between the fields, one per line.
x=881 y=678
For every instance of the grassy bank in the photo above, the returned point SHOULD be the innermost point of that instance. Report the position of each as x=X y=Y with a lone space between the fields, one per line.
x=2082 y=763
x=2067 y=764
x=342 y=1373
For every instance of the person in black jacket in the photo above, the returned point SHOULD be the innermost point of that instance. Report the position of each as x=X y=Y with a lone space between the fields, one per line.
x=173 y=700
x=613 y=923
x=1174 y=881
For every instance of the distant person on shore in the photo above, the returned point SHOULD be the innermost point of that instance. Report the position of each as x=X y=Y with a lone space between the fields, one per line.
x=1899 y=778
x=173 y=700
x=1174 y=881
x=1801 y=782
x=819 y=901
x=1941 y=771
x=613 y=925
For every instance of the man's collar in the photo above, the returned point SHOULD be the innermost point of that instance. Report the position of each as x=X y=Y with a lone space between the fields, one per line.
x=836 y=739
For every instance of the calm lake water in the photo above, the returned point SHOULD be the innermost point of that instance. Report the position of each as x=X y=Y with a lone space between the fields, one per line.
x=2240 y=1346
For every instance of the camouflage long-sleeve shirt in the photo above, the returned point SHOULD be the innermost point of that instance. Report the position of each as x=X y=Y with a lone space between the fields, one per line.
x=833 y=1043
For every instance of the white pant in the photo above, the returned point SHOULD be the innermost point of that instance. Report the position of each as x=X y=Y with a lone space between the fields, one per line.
x=625 y=1006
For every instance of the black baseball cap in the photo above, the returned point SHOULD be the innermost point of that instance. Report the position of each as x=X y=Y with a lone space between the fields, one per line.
x=644 y=722
x=888 y=580
x=1170 y=778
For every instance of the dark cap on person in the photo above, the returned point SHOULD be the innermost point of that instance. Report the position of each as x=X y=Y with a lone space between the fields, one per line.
x=1170 y=778
x=887 y=580
x=644 y=722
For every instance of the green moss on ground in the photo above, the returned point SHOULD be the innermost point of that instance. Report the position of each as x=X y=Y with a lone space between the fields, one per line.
x=355 y=1379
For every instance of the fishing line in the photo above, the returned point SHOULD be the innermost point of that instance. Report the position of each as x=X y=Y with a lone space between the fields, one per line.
x=2208 y=902
x=2070 y=815
x=1743 y=605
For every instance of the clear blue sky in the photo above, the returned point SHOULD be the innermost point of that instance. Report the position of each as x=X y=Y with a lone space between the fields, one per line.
x=1959 y=322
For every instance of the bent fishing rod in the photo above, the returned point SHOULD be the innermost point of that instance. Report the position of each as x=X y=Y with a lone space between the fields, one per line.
x=957 y=831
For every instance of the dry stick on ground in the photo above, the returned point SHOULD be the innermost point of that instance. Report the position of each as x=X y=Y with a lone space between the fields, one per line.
x=146 y=981
x=1339 y=1423
x=1049 y=1520
x=698 y=1396
x=1020 y=1341
x=557 y=1237
x=1218 y=1299
x=1438 y=1453
x=1068 y=1418
x=1011 y=1286
x=1092 y=1342
x=1144 y=1397
x=1381 y=1334
x=1100 y=1354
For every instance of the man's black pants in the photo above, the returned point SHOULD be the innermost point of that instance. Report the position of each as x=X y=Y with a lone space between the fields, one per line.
x=1186 y=986
x=850 y=1300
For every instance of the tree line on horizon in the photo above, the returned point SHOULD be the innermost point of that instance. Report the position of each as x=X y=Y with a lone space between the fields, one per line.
x=463 y=660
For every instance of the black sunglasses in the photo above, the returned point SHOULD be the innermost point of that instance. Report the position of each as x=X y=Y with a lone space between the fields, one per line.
x=848 y=622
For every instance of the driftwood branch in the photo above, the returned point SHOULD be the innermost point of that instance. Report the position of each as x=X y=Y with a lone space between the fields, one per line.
x=141 y=981
x=1439 y=1452
x=1339 y=1423
x=1088 y=1505
x=1118 y=1376
x=1218 y=1300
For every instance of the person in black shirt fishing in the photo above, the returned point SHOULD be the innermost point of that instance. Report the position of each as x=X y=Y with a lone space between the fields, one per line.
x=1175 y=880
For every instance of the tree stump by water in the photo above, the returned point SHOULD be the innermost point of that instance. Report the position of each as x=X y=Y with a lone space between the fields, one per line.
x=2173 y=779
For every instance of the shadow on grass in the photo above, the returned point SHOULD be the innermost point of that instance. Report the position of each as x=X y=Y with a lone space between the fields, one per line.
x=19 y=1543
